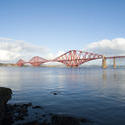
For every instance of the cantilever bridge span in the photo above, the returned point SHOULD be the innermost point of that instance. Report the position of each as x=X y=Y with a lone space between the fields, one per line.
x=72 y=58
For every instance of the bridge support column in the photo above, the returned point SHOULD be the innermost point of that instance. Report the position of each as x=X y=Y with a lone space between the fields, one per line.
x=114 y=64
x=20 y=64
x=104 y=66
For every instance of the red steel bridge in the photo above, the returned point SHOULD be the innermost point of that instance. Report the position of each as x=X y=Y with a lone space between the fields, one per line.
x=72 y=58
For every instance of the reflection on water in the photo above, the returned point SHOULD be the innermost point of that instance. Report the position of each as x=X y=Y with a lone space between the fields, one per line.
x=89 y=92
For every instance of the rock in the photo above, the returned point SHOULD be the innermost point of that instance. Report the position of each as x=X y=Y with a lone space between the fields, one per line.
x=32 y=123
x=27 y=105
x=43 y=115
x=51 y=114
x=44 y=123
x=64 y=120
x=18 y=111
x=5 y=95
x=37 y=107
x=83 y=120
x=67 y=120
x=55 y=92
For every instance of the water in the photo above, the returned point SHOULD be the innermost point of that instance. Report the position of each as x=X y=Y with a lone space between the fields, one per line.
x=93 y=93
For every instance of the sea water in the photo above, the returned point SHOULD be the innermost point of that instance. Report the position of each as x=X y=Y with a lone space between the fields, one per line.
x=90 y=92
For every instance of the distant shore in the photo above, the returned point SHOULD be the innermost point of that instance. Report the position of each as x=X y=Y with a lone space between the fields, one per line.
x=14 y=65
x=7 y=64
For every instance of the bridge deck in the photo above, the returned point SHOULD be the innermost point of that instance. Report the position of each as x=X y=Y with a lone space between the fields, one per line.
x=115 y=57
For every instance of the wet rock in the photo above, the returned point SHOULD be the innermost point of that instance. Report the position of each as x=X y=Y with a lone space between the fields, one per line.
x=32 y=123
x=66 y=120
x=54 y=93
x=8 y=120
x=20 y=111
x=43 y=115
x=5 y=95
x=16 y=112
x=45 y=123
x=83 y=120
x=51 y=114
x=27 y=105
x=37 y=107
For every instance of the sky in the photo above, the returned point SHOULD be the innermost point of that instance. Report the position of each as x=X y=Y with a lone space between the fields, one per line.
x=49 y=28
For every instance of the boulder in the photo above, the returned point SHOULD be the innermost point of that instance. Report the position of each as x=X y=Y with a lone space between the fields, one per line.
x=65 y=120
x=5 y=95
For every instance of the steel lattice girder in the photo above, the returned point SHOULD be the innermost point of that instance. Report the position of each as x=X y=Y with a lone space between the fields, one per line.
x=72 y=58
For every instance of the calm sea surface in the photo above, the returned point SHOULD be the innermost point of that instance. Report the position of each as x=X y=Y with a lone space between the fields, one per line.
x=93 y=93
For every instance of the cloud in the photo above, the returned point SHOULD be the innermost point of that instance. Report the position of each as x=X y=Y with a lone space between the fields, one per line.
x=108 y=47
x=11 y=50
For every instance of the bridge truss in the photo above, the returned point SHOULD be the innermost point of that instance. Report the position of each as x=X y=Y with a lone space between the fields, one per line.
x=72 y=58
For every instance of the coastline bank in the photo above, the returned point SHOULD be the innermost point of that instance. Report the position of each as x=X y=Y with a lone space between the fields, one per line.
x=28 y=114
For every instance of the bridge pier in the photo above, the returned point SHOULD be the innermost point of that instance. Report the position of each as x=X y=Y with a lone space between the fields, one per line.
x=114 y=63
x=20 y=64
x=72 y=66
x=104 y=65
x=35 y=64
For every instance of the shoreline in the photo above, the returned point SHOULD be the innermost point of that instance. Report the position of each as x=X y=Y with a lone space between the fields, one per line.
x=28 y=114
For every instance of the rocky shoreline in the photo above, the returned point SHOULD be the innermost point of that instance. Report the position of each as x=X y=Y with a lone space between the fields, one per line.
x=28 y=114
x=5 y=95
